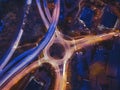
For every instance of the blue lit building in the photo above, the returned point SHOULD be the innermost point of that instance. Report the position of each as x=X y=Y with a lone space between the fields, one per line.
x=1 y=25
x=108 y=18
x=113 y=67
x=100 y=55
x=87 y=15
x=85 y=85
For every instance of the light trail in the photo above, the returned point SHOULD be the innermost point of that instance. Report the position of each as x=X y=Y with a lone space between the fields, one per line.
x=37 y=51
x=76 y=45
x=70 y=48
x=27 y=70
x=17 y=38
x=61 y=78
x=73 y=46
x=21 y=75
x=17 y=59
x=42 y=14
x=47 y=12
x=95 y=39
x=29 y=51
